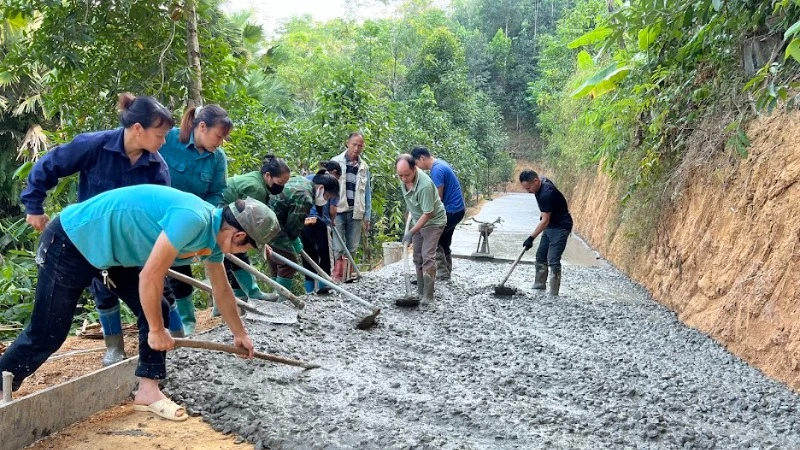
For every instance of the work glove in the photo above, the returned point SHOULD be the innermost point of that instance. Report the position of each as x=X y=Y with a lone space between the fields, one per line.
x=408 y=237
x=297 y=245
x=528 y=243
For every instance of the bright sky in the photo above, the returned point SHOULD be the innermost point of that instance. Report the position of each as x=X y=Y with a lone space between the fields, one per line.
x=271 y=13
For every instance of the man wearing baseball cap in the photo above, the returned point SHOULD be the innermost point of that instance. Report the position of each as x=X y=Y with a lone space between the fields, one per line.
x=130 y=237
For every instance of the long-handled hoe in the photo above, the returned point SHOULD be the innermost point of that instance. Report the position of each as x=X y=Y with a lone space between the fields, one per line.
x=364 y=323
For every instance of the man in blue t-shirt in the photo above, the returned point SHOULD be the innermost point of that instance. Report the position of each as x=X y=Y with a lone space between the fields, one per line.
x=450 y=193
x=130 y=237
x=555 y=225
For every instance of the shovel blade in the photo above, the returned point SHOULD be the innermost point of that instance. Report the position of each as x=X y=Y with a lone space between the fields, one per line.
x=504 y=291
x=272 y=312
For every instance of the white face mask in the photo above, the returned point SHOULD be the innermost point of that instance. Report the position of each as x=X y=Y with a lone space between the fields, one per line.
x=319 y=197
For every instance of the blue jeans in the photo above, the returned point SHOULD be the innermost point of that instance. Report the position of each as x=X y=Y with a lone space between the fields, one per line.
x=63 y=275
x=551 y=247
x=350 y=230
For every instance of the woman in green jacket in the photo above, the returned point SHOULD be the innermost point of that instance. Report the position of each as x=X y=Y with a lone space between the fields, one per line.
x=291 y=206
x=198 y=165
x=260 y=185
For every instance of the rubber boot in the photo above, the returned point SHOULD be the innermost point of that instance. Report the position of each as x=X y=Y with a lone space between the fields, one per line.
x=429 y=281
x=287 y=283
x=248 y=284
x=442 y=273
x=111 y=322
x=309 y=285
x=324 y=289
x=541 y=276
x=420 y=285
x=349 y=274
x=115 y=349
x=338 y=270
x=186 y=310
x=555 y=281
x=449 y=261
x=175 y=324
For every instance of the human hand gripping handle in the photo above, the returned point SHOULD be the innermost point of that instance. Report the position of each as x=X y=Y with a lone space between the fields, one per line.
x=407 y=237
x=245 y=343
x=161 y=340
x=528 y=243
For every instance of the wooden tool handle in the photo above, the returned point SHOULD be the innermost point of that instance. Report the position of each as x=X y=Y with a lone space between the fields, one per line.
x=299 y=304
x=206 y=345
x=204 y=287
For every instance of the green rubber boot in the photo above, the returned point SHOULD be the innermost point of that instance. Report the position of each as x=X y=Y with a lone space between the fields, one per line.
x=248 y=284
x=287 y=283
x=186 y=311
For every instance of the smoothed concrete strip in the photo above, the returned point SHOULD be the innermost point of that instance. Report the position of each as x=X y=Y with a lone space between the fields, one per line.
x=33 y=417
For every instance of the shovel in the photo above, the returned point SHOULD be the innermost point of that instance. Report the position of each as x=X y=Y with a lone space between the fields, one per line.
x=283 y=313
x=346 y=251
x=409 y=300
x=364 y=323
x=501 y=289
x=206 y=345
x=299 y=304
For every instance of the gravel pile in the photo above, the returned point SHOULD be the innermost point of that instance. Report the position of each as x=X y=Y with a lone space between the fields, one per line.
x=602 y=366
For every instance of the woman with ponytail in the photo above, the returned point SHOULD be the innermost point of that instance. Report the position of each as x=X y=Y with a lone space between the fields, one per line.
x=105 y=160
x=198 y=165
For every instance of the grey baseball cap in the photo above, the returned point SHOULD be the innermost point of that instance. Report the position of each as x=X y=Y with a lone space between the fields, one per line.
x=258 y=221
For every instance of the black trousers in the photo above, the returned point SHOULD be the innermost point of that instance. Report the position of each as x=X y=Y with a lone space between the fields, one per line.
x=446 y=238
x=316 y=244
x=63 y=275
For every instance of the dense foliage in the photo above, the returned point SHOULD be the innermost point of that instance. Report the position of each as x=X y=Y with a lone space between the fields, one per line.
x=404 y=81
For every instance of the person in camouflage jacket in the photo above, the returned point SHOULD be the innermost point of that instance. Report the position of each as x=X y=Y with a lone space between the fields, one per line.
x=259 y=185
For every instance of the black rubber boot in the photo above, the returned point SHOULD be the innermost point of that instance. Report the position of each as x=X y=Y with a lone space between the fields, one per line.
x=555 y=281
x=442 y=271
x=541 y=276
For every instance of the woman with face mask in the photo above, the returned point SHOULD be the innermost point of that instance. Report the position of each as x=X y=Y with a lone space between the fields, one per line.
x=198 y=165
x=260 y=185
x=314 y=237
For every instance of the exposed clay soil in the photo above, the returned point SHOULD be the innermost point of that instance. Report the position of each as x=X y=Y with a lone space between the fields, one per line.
x=121 y=428
x=725 y=257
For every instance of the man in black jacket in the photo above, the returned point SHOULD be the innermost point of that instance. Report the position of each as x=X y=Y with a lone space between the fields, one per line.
x=555 y=225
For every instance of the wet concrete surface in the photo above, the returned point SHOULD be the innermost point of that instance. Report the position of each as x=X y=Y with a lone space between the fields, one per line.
x=520 y=215
x=602 y=366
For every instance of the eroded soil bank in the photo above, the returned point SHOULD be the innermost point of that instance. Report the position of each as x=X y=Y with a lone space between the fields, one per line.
x=603 y=366
x=725 y=255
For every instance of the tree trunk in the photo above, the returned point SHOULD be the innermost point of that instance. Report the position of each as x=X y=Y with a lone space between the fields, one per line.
x=193 y=50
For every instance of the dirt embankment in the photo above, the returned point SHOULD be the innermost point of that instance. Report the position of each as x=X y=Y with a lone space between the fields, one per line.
x=725 y=256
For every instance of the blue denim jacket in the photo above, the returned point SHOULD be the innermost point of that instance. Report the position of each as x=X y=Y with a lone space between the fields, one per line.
x=100 y=160
x=202 y=174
